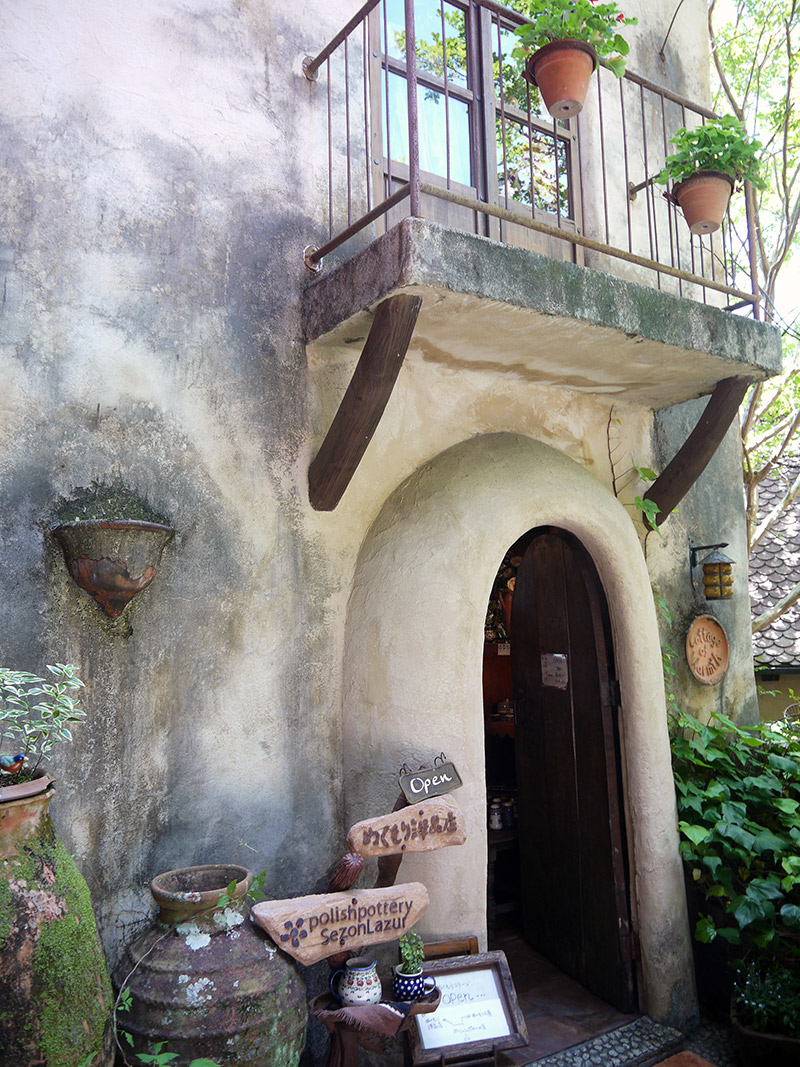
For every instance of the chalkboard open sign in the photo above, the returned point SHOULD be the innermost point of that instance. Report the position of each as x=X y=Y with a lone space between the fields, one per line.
x=478 y=1012
x=423 y=784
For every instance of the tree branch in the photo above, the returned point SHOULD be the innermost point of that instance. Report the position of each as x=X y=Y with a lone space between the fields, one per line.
x=780 y=608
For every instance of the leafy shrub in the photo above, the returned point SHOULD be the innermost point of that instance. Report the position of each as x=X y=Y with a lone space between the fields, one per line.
x=722 y=145
x=738 y=799
x=35 y=715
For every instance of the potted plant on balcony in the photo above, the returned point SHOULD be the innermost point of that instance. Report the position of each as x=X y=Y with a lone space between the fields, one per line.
x=560 y=46
x=54 y=984
x=709 y=162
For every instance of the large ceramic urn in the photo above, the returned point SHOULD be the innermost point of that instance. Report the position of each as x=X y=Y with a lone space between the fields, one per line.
x=207 y=982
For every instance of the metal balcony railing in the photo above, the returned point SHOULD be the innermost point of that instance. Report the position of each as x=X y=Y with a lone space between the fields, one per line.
x=427 y=115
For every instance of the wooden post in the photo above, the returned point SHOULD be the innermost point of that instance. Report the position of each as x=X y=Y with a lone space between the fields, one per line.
x=364 y=401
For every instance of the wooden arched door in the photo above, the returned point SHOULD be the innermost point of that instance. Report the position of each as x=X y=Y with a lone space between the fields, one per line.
x=571 y=829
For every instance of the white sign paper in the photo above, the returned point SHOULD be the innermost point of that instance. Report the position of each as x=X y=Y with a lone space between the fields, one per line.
x=555 y=672
x=470 y=1010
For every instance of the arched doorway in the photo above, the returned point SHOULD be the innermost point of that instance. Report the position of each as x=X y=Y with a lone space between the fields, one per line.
x=411 y=680
x=573 y=862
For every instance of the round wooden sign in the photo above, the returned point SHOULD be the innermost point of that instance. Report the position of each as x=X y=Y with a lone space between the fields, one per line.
x=707 y=651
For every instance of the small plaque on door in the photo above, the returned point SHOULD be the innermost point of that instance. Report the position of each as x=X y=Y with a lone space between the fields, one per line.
x=554 y=670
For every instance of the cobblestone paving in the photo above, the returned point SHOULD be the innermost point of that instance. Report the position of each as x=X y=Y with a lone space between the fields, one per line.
x=644 y=1043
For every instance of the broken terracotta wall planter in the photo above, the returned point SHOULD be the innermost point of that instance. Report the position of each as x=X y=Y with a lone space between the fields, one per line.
x=113 y=559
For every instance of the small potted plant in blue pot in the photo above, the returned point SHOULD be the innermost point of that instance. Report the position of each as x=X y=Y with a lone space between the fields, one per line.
x=409 y=982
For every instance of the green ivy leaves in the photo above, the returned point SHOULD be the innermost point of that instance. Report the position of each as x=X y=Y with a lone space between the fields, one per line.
x=738 y=794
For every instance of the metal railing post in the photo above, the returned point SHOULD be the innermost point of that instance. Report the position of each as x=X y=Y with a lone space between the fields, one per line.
x=413 y=111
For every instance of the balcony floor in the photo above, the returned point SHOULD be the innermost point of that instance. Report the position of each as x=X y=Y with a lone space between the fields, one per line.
x=492 y=308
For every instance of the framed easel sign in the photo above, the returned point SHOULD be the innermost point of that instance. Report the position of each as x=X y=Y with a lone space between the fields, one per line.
x=478 y=1014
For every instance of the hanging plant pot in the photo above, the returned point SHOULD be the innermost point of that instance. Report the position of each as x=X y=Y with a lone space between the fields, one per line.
x=703 y=199
x=55 y=990
x=113 y=559
x=561 y=70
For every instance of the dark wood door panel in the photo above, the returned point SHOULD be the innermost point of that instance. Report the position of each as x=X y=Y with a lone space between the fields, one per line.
x=570 y=818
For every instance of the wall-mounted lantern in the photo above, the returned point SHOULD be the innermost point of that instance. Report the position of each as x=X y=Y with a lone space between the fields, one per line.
x=717 y=571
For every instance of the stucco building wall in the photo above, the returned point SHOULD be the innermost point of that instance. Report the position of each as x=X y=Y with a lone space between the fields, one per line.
x=161 y=178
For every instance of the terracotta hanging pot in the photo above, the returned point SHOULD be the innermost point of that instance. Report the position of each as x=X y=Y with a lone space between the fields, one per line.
x=113 y=559
x=561 y=70
x=55 y=992
x=703 y=199
x=207 y=982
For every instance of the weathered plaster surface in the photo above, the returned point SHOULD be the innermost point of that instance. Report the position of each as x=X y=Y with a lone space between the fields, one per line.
x=163 y=166
x=705 y=516
x=150 y=336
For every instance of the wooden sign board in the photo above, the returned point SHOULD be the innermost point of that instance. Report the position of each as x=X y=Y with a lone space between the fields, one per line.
x=421 y=785
x=707 y=650
x=478 y=1012
x=417 y=828
x=314 y=927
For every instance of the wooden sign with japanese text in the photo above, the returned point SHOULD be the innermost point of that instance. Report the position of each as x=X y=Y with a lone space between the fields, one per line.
x=417 y=828
x=314 y=927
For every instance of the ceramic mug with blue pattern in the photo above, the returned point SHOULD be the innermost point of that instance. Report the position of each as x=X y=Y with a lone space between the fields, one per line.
x=412 y=986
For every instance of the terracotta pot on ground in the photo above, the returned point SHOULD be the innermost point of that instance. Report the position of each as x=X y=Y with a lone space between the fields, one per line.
x=703 y=199
x=208 y=982
x=55 y=993
x=561 y=70
x=757 y=1049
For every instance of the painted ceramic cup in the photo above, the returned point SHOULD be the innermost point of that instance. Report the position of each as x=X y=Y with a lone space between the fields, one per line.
x=412 y=986
x=358 y=983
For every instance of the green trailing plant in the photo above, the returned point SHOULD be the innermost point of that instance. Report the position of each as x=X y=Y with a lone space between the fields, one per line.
x=412 y=953
x=738 y=792
x=578 y=20
x=35 y=715
x=768 y=999
x=721 y=145
x=255 y=892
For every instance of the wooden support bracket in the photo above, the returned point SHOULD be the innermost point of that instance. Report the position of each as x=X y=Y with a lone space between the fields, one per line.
x=693 y=457
x=364 y=401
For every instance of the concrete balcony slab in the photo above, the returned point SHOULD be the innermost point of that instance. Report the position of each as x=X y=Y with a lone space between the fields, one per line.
x=492 y=308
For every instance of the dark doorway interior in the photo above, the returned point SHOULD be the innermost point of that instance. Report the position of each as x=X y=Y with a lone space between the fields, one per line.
x=557 y=874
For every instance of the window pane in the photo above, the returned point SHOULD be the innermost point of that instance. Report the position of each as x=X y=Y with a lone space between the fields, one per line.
x=433 y=109
x=529 y=173
x=435 y=41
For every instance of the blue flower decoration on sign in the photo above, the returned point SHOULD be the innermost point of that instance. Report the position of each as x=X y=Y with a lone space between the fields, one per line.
x=295 y=932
